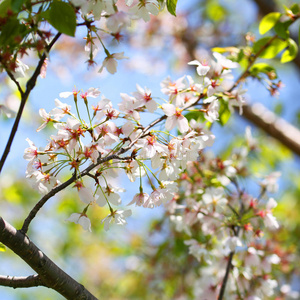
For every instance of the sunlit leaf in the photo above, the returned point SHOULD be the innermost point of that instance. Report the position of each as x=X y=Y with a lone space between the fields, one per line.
x=267 y=48
x=268 y=22
x=171 y=6
x=290 y=53
x=225 y=49
x=262 y=68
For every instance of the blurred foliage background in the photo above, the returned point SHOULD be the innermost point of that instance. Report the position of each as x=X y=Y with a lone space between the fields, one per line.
x=148 y=258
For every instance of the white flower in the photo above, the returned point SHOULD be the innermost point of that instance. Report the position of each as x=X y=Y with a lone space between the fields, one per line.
x=86 y=195
x=31 y=152
x=212 y=113
x=175 y=118
x=270 y=182
x=116 y=217
x=20 y=69
x=109 y=194
x=144 y=97
x=202 y=69
x=196 y=249
x=149 y=146
x=110 y=62
x=82 y=220
x=232 y=242
x=224 y=62
x=144 y=8
x=139 y=199
x=214 y=197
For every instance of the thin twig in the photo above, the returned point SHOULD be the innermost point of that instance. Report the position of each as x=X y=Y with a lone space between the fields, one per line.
x=228 y=268
x=100 y=160
x=24 y=96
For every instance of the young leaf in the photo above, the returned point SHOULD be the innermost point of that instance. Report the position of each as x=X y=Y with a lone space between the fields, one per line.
x=290 y=53
x=258 y=68
x=271 y=48
x=171 y=6
x=62 y=17
x=268 y=22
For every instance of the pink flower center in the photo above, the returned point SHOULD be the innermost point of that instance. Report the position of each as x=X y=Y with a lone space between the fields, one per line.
x=178 y=112
x=151 y=140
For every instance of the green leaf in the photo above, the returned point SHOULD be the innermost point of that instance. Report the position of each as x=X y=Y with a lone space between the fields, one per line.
x=4 y=7
x=171 y=6
x=196 y=115
x=281 y=29
x=295 y=8
x=268 y=22
x=10 y=30
x=290 y=53
x=215 y=11
x=262 y=68
x=272 y=48
x=224 y=113
x=62 y=17
x=16 y=5
x=225 y=49
x=2 y=248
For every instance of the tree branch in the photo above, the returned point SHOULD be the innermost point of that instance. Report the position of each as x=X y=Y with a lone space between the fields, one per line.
x=275 y=126
x=21 y=282
x=24 y=96
x=49 y=273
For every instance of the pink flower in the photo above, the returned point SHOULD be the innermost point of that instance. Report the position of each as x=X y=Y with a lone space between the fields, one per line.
x=144 y=97
x=139 y=199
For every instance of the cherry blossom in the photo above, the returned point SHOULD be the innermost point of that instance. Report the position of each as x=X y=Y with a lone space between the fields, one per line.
x=110 y=62
x=82 y=220
x=175 y=118
x=116 y=217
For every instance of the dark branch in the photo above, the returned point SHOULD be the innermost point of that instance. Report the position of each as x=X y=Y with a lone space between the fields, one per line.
x=62 y=186
x=21 y=282
x=228 y=268
x=24 y=96
x=49 y=273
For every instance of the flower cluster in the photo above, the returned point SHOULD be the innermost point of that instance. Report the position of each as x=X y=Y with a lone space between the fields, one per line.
x=96 y=148
x=223 y=227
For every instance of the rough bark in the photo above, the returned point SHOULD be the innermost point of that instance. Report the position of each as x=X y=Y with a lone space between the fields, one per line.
x=50 y=274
